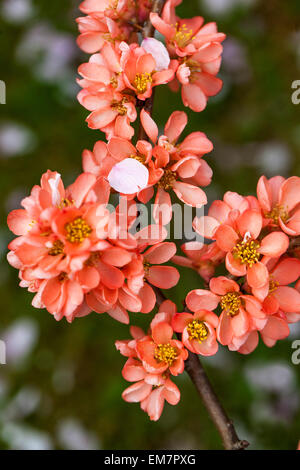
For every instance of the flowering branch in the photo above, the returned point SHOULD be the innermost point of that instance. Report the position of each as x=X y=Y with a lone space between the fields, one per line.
x=223 y=423
x=79 y=258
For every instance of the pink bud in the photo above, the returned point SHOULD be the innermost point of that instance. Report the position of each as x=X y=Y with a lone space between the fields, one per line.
x=158 y=51
x=128 y=176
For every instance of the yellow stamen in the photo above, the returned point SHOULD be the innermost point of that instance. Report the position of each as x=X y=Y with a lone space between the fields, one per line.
x=77 y=230
x=183 y=35
x=139 y=158
x=146 y=266
x=197 y=330
x=65 y=203
x=231 y=303
x=119 y=106
x=57 y=248
x=278 y=212
x=167 y=180
x=273 y=286
x=246 y=252
x=165 y=353
x=141 y=81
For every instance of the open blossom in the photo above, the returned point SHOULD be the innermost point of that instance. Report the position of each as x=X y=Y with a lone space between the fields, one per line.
x=279 y=199
x=160 y=353
x=151 y=389
x=140 y=71
x=198 y=331
x=240 y=315
x=247 y=249
x=177 y=166
x=64 y=249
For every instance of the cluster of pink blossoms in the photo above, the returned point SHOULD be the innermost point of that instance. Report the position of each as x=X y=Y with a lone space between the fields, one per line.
x=78 y=256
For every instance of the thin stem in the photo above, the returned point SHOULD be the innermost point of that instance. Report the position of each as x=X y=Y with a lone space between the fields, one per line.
x=148 y=32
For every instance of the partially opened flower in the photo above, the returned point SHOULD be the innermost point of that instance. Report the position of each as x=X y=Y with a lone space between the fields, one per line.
x=95 y=30
x=278 y=294
x=198 y=331
x=223 y=211
x=279 y=199
x=202 y=258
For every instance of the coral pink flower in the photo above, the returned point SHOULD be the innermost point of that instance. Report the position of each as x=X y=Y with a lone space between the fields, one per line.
x=221 y=212
x=160 y=353
x=174 y=162
x=140 y=71
x=151 y=390
x=280 y=203
x=277 y=294
x=198 y=331
x=144 y=269
x=244 y=245
x=198 y=50
x=275 y=329
x=95 y=30
x=240 y=313
x=147 y=269
x=64 y=250
x=201 y=258
x=185 y=36
x=120 y=9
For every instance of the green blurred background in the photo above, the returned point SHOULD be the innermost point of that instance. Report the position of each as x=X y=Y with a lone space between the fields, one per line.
x=62 y=385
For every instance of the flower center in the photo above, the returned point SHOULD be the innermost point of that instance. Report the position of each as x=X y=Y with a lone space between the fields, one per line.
x=63 y=277
x=197 y=330
x=183 y=35
x=231 y=303
x=273 y=286
x=247 y=252
x=57 y=248
x=146 y=266
x=119 y=106
x=167 y=180
x=139 y=158
x=165 y=353
x=93 y=259
x=65 y=203
x=278 y=212
x=141 y=81
x=77 y=230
